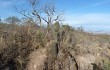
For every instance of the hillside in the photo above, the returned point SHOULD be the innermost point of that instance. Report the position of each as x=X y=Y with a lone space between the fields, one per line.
x=62 y=47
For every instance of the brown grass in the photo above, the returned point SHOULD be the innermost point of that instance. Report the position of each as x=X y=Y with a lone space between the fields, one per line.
x=65 y=48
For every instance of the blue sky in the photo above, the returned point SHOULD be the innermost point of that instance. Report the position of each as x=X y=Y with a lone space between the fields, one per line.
x=93 y=15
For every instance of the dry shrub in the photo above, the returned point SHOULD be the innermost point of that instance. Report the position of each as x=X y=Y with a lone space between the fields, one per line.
x=16 y=47
x=64 y=48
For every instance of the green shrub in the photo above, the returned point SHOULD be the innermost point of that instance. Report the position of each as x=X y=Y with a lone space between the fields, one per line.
x=106 y=64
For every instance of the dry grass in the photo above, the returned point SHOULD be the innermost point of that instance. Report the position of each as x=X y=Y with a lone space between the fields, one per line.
x=64 y=48
x=37 y=60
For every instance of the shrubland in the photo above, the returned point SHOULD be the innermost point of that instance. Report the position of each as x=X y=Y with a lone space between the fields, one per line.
x=31 y=47
x=41 y=42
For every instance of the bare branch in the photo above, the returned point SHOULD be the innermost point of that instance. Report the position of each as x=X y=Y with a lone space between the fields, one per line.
x=47 y=13
x=23 y=13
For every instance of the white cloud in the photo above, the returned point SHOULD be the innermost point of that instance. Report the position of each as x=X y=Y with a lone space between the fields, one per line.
x=91 y=18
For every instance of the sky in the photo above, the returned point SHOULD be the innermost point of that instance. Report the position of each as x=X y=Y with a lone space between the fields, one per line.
x=93 y=15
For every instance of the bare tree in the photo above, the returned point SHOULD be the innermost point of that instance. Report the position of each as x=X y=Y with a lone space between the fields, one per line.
x=43 y=12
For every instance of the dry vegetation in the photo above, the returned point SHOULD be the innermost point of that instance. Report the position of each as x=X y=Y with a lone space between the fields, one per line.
x=28 y=45
x=65 y=48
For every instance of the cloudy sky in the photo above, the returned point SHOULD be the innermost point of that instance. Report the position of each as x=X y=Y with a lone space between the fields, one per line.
x=93 y=15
